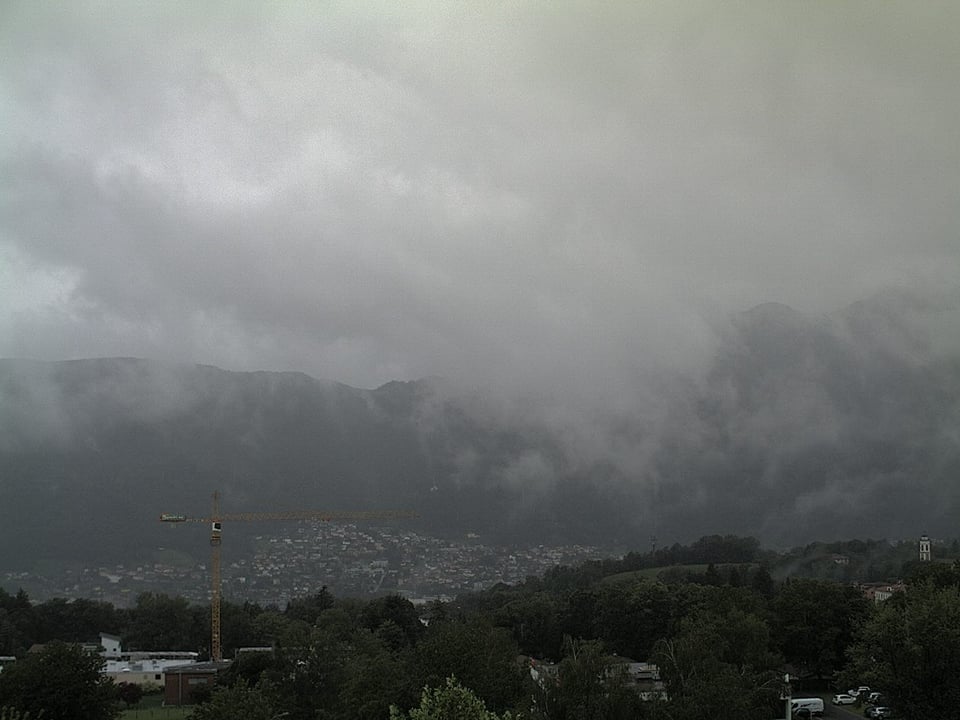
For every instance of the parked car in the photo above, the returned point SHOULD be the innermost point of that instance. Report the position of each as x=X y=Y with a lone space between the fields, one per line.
x=844 y=699
x=857 y=692
x=879 y=712
x=812 y=706
x=875 y=698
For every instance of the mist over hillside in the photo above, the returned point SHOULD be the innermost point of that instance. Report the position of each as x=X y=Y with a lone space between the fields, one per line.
x=526 y=237
x=799 y=428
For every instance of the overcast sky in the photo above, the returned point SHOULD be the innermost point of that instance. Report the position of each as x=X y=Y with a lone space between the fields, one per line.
x=516 y=190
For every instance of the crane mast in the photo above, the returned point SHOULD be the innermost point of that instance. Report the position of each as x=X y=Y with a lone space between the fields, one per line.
x=216 y=527
x=216 y=521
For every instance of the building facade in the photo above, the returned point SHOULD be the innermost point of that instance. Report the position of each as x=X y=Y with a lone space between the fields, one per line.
x=182 y=681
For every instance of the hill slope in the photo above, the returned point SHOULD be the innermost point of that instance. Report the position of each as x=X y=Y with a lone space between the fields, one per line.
x=830 y=427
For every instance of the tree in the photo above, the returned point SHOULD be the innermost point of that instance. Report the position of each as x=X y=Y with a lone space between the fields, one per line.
x=240 y=702
x=733 y=579
x=719 y=662
x=762 y=583
x=589 y=685
x=272 y=627
x=397 y=610
x=537 y=619
x=130 y=693
x=14 y=714
x=480 y=655
x=339 y=672
x=376 y=679
x=19 y=623
x=237 y=626
x=910 y=648
x=940 y=575
x=160 y=622
x=814 y=622
x=74 y=620
x=632 y=615
x=452 y=702
x=308 y=609
x=63 y=681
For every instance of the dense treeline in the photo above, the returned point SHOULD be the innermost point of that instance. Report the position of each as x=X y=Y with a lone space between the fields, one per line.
x=160 y=622
x=722 y=636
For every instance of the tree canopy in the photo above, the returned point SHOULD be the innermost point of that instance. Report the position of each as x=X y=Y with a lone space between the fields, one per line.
x=240 y=702
x=451 y=702
x=910 y=647
x=63 y=682
x=721 y=638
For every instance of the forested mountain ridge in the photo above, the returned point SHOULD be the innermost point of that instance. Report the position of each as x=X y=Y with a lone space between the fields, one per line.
x=798 y=428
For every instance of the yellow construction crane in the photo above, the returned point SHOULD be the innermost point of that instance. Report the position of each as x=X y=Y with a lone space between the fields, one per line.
x=216 y=521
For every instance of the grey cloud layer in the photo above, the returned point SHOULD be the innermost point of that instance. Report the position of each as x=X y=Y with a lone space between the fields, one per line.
x=547 y=193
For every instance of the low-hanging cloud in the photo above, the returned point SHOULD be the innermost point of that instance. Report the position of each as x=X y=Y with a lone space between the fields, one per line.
x=558 y=199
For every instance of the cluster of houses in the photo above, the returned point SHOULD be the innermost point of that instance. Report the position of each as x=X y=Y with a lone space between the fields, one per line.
x=880 y=591
x=642 y=677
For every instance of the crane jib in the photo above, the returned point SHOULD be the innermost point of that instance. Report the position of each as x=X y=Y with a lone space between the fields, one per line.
x=216 y=521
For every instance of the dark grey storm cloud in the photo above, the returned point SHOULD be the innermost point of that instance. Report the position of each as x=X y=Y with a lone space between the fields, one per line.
x=542 y=193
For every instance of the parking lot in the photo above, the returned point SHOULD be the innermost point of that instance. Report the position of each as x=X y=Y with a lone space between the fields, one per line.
x=843 y=712
x=840 y=712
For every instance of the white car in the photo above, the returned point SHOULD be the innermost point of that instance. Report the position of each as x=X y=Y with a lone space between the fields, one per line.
x=844 y=699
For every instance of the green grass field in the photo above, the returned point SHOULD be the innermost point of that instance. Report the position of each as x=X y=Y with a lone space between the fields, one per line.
x=652 y=573
x=150 y=708
x=157 y=713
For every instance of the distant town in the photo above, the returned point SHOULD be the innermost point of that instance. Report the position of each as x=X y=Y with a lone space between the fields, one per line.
x=297 y=560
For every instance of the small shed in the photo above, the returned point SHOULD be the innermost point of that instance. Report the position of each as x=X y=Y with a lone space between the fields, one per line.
x=180 y=681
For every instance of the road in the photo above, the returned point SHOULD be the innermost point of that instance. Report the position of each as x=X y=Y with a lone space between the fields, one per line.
x=841 y=712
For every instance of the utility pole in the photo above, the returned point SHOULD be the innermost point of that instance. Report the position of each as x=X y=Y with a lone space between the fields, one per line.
x=786 y=695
